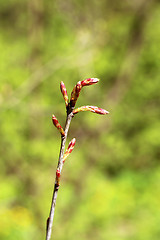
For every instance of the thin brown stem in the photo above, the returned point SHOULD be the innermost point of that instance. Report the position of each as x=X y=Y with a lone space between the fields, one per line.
x=56 y=185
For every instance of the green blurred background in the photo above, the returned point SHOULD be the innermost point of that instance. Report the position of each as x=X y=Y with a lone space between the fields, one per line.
x=110 y=183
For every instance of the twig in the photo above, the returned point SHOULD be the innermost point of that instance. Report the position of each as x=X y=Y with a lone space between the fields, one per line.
x=63 y=155
x=56 y=186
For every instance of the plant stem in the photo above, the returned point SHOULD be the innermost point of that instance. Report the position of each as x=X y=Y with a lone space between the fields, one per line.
x=56 y=186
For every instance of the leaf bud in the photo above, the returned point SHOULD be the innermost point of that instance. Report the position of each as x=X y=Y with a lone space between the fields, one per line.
x=57 y=125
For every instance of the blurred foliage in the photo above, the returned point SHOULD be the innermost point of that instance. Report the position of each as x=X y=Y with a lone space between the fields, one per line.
x=110 y=184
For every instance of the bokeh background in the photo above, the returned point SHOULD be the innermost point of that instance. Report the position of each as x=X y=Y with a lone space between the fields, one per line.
x=110 y=184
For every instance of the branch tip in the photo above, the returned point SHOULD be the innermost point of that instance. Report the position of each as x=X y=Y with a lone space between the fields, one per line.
x=70 y=104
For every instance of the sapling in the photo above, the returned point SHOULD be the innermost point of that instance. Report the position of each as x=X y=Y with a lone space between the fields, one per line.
x=71 y=111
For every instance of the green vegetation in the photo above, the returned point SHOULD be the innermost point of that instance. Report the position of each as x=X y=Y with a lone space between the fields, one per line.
x=110 y=184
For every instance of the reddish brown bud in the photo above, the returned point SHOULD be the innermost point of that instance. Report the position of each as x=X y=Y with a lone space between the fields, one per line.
x=57 y=125
x=75 y=94
x=69 y=149
x=72 y=143
x=93 y=109
x=64 y=93
x=89 y=81
x=58 y=174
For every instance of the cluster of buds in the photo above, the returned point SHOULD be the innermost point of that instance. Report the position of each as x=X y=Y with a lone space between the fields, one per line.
x=70 y=109
x=76 y=90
